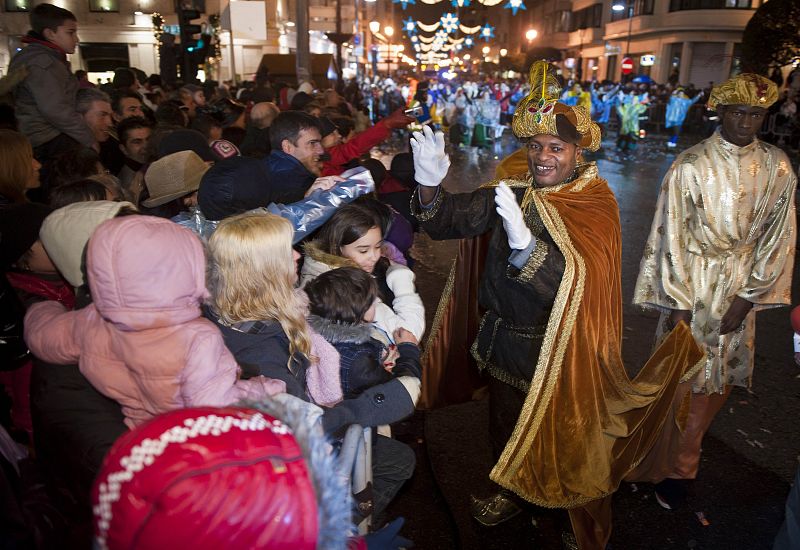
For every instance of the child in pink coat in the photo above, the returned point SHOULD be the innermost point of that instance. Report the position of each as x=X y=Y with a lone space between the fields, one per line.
x=143 y=342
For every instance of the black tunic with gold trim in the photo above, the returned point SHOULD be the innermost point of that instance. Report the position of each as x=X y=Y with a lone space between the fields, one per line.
x=517 y=302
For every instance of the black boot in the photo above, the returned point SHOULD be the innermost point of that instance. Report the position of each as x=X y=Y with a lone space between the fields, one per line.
x=495 y=509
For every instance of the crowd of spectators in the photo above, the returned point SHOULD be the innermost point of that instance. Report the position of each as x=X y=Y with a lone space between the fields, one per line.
x=152 y=240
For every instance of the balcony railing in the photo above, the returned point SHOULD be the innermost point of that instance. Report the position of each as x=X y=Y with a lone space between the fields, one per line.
x=679 y=5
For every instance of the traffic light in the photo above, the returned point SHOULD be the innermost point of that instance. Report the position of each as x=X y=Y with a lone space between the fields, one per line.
x=194 y=45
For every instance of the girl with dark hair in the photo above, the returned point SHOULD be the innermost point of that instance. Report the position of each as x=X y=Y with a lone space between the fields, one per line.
x=353 y=237
x=398 y=234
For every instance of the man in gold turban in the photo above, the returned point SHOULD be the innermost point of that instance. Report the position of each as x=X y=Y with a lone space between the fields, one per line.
x=721 y=247
x=566 y=422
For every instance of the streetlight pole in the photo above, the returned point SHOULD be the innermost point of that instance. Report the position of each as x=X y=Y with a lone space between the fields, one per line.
x=618 y=6
x=302 y=50
x=630 y=23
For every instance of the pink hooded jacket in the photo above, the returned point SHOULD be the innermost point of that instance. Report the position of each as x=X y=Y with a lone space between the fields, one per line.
x=143 y=341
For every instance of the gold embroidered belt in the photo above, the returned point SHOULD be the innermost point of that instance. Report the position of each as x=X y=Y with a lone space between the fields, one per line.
x=738 y=251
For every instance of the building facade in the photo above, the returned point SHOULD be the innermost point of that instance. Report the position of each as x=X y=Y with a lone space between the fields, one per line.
x=119 y=33
x=685 y=41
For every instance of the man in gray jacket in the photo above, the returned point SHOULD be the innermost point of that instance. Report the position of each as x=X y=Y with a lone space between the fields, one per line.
x=45 y=98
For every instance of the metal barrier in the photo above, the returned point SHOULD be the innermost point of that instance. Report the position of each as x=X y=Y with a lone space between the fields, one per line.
x=355 y=465
x=781 y=131
x=656 y=117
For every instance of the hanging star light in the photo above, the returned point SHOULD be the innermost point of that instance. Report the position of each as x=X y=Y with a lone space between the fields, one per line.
x=449 y=22
x=515 y=5
x=410 y=26
x=404 y=3
x=460 y=3
x=487 y=32
x=441 y=35
x=469 y=42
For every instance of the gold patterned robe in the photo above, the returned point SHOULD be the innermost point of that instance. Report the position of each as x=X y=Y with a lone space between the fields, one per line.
x=724 y=227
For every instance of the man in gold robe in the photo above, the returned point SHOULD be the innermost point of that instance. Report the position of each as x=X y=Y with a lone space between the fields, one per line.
x=721 y=248
x=568 y=424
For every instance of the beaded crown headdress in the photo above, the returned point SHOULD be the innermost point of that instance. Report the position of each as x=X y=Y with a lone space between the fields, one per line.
x=540 y=112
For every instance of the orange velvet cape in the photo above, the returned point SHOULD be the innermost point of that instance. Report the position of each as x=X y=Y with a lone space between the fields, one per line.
x=585 y=426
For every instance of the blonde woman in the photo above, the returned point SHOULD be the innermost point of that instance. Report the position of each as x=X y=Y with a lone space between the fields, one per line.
x=262 y=316
x=19 y=171
x=252 y=278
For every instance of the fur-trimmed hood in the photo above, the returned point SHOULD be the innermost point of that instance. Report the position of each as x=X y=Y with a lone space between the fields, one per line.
x=317 y=262
x=341 y=333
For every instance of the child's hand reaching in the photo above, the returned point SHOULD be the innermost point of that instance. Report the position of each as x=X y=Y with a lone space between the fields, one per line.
x=403 y=336
x=390 y=356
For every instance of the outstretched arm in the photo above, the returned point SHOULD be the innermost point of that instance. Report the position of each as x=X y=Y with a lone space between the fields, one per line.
x=49 y=333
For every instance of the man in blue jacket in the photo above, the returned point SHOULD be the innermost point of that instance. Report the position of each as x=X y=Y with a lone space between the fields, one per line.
x=295 y=161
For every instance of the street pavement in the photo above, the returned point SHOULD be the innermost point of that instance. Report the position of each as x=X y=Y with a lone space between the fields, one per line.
x=750 y=454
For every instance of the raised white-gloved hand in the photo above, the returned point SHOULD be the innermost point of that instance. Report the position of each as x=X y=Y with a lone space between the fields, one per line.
x=430 y=161
x=519 y=236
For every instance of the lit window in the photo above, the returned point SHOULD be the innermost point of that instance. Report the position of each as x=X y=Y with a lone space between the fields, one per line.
x=108 y=6
x=18 y=5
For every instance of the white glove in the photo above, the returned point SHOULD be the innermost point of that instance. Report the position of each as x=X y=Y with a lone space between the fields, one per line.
x=519 y=236
x=430 y=161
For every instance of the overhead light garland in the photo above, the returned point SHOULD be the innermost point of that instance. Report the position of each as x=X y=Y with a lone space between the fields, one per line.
x=216 y=26
x=404 y=3
x=454 y=3
x=514 y=6
x=428 y=28
x=158 y=29
x=449 y=22
x=433 y=27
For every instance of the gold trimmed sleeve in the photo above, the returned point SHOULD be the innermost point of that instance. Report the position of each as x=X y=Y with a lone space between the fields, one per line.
x=535 y=261
x=426 y=213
